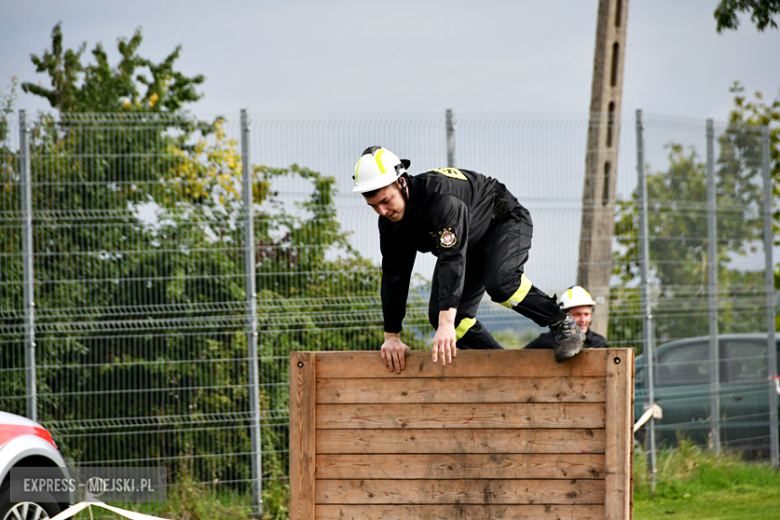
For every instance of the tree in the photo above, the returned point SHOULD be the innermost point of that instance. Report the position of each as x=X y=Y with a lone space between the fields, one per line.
x=94 y=257
x=758 y=112
x=762 y=12
x=7 y=101
x=678 y=240
x=136 y=84
x=123 y=140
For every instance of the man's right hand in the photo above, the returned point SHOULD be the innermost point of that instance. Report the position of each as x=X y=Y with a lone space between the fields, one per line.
x=394 y=352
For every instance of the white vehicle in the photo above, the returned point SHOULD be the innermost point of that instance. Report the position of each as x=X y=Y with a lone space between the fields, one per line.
x=25 y=444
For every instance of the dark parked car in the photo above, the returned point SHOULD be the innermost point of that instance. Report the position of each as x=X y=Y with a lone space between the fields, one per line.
x=682 y=390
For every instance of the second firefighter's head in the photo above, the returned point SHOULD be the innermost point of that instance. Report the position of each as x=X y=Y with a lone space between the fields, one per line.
x=580 y=304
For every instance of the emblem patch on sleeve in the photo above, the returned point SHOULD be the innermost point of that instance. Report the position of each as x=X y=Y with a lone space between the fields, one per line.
x=447 y=237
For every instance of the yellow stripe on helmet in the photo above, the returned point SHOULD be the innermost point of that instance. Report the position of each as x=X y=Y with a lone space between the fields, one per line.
x=378 y=157
x=357 y=167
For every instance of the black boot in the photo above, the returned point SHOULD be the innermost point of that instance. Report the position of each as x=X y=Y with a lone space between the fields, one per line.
x=569 y=338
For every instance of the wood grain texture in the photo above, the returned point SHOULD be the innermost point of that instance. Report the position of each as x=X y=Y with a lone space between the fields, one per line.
x=409 y=390
x=461 y=441
x=460 y=492
x=302 y=435
x=468 y=363
x=459 y=512
x=469 y=466
x=620 y=369
x=495 y=434
x=467 y=416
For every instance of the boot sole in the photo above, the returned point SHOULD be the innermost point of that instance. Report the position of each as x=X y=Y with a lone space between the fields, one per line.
x=563 y=357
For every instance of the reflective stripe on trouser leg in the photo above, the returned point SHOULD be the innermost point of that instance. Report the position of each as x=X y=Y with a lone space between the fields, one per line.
x=463 y=327
x=478 y=338
x=520 y=293
x=540 y=308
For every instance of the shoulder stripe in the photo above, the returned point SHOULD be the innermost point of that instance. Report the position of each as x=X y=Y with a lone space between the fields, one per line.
x=453 y=173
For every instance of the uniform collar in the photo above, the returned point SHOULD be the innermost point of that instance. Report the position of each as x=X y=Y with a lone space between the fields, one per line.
x=413 y=205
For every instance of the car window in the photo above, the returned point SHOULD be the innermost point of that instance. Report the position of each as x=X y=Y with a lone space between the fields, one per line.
x=639 y=376
x=744 y=360
x=685 y=365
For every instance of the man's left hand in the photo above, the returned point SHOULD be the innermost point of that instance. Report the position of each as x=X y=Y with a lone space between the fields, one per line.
x=444 y=340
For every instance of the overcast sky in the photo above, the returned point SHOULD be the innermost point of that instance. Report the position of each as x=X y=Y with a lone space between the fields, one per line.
x=358 y=56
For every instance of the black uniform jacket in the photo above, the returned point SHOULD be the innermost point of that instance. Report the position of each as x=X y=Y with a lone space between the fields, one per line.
x=547 y=340
x=447 y=214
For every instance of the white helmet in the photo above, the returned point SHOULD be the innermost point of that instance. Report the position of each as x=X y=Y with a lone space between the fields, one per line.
x=576 y=296
x=377 y=168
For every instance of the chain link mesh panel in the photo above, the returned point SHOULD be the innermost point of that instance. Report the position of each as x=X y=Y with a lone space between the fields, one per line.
x=139 y=275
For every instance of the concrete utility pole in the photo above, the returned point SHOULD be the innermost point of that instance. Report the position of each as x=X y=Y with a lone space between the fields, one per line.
x=598 y=198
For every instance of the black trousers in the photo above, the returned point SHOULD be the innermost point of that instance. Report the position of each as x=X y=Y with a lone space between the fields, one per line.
x=496 y=265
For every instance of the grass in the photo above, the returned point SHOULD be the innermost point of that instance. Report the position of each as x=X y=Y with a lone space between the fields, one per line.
x=692 y=483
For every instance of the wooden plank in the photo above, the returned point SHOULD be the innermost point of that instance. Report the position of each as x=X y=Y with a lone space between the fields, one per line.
x=461 y=441
x=620 y=370
x=460 y=492
x=468 y=416
x=469 y=466
x=458 y=511
x=574 y=389
x=303 y=376
x=468 y=363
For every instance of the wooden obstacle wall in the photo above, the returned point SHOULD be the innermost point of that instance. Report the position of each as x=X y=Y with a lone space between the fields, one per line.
x=494 y=435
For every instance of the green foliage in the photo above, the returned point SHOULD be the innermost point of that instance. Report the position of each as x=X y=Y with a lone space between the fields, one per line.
x=188 y=500
x=758 y=112
x=512 y=339
x=276 y=498
x=677 y=225
x=762 y=12
x=678 y=240
x=7 y=102
x=692 y=483
x=183 y=263
x=125 y=301
x=136 y=84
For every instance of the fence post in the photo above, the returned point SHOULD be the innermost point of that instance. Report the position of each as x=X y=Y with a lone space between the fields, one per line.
x=712 y=277
x=27 y=256
x=769 y=284
x=251 y=306
x=450 y=139
x=644 y=265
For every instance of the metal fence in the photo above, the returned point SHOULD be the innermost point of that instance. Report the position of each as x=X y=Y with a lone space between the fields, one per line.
x=156 y=272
